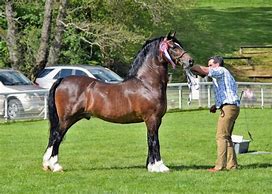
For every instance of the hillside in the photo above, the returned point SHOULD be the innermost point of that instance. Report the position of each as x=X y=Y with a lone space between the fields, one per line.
x=220 y=27
x=258 y=68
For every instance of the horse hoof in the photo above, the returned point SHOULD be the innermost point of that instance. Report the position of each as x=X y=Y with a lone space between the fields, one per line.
x=157 y=167
x=46 y=166
x=57 y=168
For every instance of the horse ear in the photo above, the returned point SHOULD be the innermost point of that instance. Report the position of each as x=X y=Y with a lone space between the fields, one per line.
x=168 y=35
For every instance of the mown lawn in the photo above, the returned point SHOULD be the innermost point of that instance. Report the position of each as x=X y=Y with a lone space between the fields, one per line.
x=220 y=27
x=101 y=157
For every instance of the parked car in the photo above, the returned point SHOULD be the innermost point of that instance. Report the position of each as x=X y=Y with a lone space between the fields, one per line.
x=49 y=75
x=12 y=81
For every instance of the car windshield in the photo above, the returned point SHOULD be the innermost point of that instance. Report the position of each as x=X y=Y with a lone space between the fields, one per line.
x=105 y=75
x=11 y=78
x=44 y=72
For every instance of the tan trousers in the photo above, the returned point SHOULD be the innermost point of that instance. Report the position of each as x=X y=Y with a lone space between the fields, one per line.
x=226 y=157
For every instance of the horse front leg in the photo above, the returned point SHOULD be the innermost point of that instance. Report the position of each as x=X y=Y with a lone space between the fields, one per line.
x=154 y=162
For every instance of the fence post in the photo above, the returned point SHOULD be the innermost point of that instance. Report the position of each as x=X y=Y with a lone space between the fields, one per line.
x=262 y=97
x=209 y=96
x=45 y=107
x=199 y=98
x=180 y=97
x=6 y=108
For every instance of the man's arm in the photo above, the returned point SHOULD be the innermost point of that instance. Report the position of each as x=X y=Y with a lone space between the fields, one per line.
x=200 y=70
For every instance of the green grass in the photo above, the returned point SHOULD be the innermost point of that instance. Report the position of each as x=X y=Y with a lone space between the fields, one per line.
x=215 y=27
x=233 y=3
x=101 y=157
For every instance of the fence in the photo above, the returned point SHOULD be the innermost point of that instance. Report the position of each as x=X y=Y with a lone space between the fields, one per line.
x=23 y=105
x=31 y=104
x=255 y=95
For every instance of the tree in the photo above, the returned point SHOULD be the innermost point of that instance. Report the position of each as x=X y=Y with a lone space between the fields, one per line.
x=42 y=53
x=12 y=35
x=83 y=31
x=109 y=31
x=56 y=45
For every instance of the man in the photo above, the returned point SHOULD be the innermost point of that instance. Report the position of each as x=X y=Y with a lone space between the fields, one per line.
x=227 y=101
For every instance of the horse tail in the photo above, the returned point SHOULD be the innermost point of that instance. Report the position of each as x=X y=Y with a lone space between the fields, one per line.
x=52 y=110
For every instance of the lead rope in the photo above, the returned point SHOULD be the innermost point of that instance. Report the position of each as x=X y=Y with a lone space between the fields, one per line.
x=249 y=134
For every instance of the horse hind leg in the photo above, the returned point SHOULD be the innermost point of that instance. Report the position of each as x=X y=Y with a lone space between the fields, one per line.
x=53 y=161
x=48 y=152
x=50 y=158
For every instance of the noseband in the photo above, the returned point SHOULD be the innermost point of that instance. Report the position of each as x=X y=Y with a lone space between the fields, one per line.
x=181 y=55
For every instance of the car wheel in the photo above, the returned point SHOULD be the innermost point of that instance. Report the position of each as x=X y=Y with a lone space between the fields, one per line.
x=15 y=109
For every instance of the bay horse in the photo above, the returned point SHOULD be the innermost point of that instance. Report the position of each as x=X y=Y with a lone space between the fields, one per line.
x=141 y=97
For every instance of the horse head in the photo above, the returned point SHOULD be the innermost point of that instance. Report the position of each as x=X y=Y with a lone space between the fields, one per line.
x=172 y=51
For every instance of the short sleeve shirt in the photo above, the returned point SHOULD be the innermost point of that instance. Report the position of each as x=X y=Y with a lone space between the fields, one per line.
x=225 y=87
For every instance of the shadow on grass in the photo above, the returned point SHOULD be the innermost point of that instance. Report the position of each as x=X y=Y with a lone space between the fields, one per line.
x=172 y=168
x=205 y=167
x=106 y=168
x=256 y=165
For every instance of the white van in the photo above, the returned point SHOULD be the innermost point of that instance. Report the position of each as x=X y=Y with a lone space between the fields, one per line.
x=49 y=75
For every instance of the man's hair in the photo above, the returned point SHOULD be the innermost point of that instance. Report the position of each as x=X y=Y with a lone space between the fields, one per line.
x=218 y=59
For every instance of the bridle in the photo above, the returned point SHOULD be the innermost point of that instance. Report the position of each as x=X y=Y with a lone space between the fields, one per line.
x=181 y=55
x=164 y=47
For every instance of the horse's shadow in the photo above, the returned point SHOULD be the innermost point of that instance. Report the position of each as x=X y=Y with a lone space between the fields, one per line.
x=172 y=167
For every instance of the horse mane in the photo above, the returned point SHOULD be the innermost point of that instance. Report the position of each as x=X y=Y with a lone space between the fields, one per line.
x=141 y=55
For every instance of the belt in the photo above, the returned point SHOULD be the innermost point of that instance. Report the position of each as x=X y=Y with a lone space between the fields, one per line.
x=221 y=108
x=226 y=105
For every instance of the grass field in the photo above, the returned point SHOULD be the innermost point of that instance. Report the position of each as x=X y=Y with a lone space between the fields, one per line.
x=101 y=157
x=220 y=27
x=223 y=26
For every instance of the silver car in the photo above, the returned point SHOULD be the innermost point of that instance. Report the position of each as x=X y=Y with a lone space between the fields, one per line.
x=21 y=95
x=49 y=75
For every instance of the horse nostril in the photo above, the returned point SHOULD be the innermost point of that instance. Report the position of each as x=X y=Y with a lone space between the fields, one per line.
x=191 y=62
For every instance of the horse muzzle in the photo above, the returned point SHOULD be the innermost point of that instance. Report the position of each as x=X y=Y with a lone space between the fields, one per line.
x=185 y=63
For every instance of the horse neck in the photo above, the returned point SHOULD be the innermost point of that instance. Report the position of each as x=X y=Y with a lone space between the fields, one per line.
x=153 y=73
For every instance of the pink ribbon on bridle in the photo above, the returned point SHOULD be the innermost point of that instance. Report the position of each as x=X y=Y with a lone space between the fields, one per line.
x=164 y=45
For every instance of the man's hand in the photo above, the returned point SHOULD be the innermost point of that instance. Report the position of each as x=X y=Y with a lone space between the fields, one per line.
x=200 y=70
x=213 y=109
